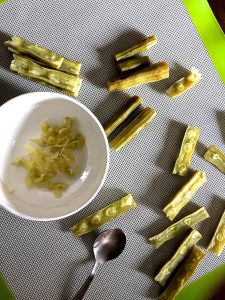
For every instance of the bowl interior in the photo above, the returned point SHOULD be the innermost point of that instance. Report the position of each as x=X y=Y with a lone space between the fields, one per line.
x=20 y=120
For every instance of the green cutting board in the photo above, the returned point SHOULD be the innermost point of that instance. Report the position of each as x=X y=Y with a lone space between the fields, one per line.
x=5 y=293
x=205 y=287
x=210 y=32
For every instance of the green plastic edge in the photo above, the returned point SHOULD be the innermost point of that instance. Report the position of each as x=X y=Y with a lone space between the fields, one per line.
x=205 y=287
x=5 y=292
x=209 y=31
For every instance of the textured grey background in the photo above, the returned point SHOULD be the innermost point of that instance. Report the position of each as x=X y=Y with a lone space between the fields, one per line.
x=42 y=261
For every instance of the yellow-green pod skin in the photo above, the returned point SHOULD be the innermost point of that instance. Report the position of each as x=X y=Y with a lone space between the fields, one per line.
x=184 y=84
x=179 y=227
x=182 y=251
x=152 y=73
x=122 y=114
x=132 y=63
x=215 y=157
x=70 y=67
x=16 y=52
x=187 y=149
x=103 y=216
x=137 y=48
x=218 y=240
x=183 y=273
x=131 y=130
x=74 y=93
x=46 y=56
x=50 y=77
x=184 y=195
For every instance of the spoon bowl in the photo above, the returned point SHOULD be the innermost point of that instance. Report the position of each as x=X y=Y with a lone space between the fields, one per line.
x=107 y=246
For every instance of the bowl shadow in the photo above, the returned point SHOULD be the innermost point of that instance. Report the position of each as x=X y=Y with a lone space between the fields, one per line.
x=9 y=91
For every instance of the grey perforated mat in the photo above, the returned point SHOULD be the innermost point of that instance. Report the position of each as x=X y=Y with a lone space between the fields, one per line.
x=42 y=261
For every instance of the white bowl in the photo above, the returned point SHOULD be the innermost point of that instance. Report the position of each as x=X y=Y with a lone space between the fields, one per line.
x=20 y=120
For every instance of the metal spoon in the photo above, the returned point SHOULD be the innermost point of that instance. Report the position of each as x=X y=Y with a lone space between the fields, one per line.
x=108 y=245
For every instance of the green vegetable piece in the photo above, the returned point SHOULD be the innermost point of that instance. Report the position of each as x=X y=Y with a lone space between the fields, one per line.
x=184 y=83
x=218 y=240
x=50 y=77
x=184 y=248
x=132 y=63
x=215 y=157
x=184 y=195
x=187 y=149
x=96 y=219
x=30 y=58
x=179 y=227
x=111 y=212
x=127 y=201
x=83 y=227
x=122 y=114
x=148 y=74
x=137 y=48
x=105 y=214
x=46 y=56
x=131 y=130
x=70 y=67
x=183 y=273
x=15 y=52
x=58 y=89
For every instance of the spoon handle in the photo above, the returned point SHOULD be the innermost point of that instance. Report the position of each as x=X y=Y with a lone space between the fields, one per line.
x=80 y=294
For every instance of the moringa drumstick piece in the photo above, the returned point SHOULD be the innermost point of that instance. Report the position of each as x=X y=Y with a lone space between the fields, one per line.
x=187 y=149
x=50 y=77
x=182 y=251
x=133 y=63
x=179 y=227
x=46 y=56
x=132 y=129
x=184 y=195
x=218 y=240
x=184 y=83
x=122 y=114
x=137 y=48
x=215 y=157
x=148 y=74
x=104 y=215
x=42 y=56
x=183 y=273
